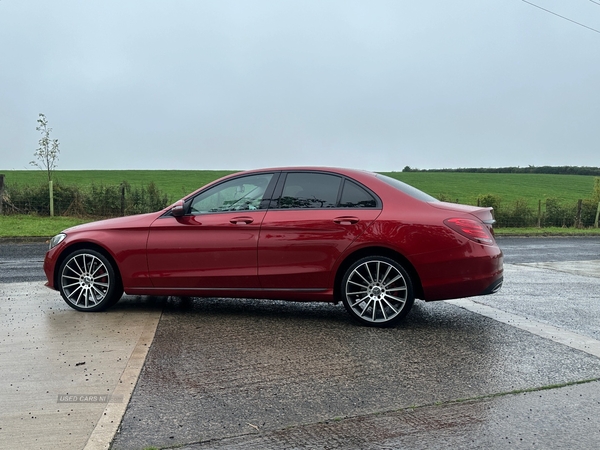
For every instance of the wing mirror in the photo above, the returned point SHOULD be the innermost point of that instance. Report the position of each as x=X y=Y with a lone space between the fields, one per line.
x=178 y=209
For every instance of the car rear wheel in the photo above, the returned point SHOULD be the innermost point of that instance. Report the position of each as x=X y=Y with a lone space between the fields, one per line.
x=377 y=291
x=88 y=281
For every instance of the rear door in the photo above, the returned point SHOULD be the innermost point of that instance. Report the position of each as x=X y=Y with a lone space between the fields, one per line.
x=314 y=218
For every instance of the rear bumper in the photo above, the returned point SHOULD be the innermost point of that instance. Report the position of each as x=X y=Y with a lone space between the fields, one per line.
x=494 y=287
x=476 y=271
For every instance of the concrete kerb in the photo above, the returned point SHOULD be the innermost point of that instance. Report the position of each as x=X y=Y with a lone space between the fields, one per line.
x=109 y=422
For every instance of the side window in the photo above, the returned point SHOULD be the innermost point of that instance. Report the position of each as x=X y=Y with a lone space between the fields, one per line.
x=310 y=190
x=245 y=193
x=355 y=196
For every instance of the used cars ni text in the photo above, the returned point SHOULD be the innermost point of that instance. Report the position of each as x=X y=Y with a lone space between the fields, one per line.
x=305 y=234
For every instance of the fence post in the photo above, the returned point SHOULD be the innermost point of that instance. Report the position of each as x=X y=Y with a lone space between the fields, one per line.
x=539 y=222
x=595 y=222
x=2 y=192
x=122 y=199
x=51 y=191
x=578 y=216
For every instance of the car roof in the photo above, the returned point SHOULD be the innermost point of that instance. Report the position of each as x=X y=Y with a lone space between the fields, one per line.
x=353 y=173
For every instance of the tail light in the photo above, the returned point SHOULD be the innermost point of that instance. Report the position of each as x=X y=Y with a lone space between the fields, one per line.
x=473 y=229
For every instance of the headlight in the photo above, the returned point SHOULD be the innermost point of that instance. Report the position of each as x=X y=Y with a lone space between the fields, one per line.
x=57 y=240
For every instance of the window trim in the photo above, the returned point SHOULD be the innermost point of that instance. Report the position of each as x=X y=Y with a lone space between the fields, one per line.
x=278 y=191
x=264 y=204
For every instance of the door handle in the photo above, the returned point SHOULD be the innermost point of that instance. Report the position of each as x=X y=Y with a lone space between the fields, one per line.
x=242 y=220
x=346 y=220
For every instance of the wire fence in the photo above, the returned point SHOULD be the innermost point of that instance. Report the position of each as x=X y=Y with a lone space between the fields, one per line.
x=103 y=201
x=100 y=201
x=549 y=213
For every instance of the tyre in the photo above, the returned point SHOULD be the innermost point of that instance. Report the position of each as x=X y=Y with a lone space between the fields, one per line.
x=377 y=291
x=88 y=281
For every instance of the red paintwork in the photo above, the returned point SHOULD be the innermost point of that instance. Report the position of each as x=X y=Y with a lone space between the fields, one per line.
x=292 y=254
x=205 y=251
x=299 y=248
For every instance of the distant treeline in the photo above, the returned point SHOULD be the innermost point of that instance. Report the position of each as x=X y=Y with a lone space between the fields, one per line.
x=553 y=170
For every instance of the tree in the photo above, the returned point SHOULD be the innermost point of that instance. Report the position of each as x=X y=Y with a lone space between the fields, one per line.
x=47 y=152
x=46 y=155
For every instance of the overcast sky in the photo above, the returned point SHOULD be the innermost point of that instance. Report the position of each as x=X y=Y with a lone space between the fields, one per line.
x=199 y=84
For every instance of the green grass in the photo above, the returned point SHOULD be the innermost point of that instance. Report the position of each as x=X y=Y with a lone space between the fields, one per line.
x=35 y=226
x=464 y=187
x=549 y=231
x=175 y=183
x=46 y=227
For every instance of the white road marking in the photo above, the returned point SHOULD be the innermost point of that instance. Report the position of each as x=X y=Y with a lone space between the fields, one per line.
x=554 y=333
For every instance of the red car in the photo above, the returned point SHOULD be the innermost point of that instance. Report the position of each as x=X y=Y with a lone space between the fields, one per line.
x=305 y=234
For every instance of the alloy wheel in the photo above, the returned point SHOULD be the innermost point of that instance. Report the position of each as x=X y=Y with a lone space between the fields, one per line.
x=377 y=291
x=85 y=280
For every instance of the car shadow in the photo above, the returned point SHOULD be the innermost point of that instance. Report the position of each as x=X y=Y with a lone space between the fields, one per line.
x=433 y=315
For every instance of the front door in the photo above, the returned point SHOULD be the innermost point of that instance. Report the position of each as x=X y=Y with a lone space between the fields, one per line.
x=214 y=245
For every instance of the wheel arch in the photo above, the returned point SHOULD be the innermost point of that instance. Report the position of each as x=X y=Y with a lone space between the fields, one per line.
x=377 y=251
x=85 y=246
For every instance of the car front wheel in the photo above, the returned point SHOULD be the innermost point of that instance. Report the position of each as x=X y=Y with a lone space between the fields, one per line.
x=377 y=291
x=88 y=281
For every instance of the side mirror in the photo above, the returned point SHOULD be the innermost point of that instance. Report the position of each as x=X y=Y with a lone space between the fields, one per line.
x=178 y=209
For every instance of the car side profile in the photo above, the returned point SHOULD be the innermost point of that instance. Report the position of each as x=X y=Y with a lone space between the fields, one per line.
x=304 y=234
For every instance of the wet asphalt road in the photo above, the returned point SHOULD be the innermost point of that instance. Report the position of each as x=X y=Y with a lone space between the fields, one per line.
x=250 y=374
x=20 y=262
x=298 y=376
x=23 y=261
x=536 y=250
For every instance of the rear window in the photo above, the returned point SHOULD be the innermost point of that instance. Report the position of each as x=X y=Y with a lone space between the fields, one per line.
x=407 y=189
x=355 y=196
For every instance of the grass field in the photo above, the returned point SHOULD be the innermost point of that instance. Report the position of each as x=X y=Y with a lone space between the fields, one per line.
x=467 y=187
x=46 y=227
x=464 y=187
x=175 y=183
x=32 y=226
